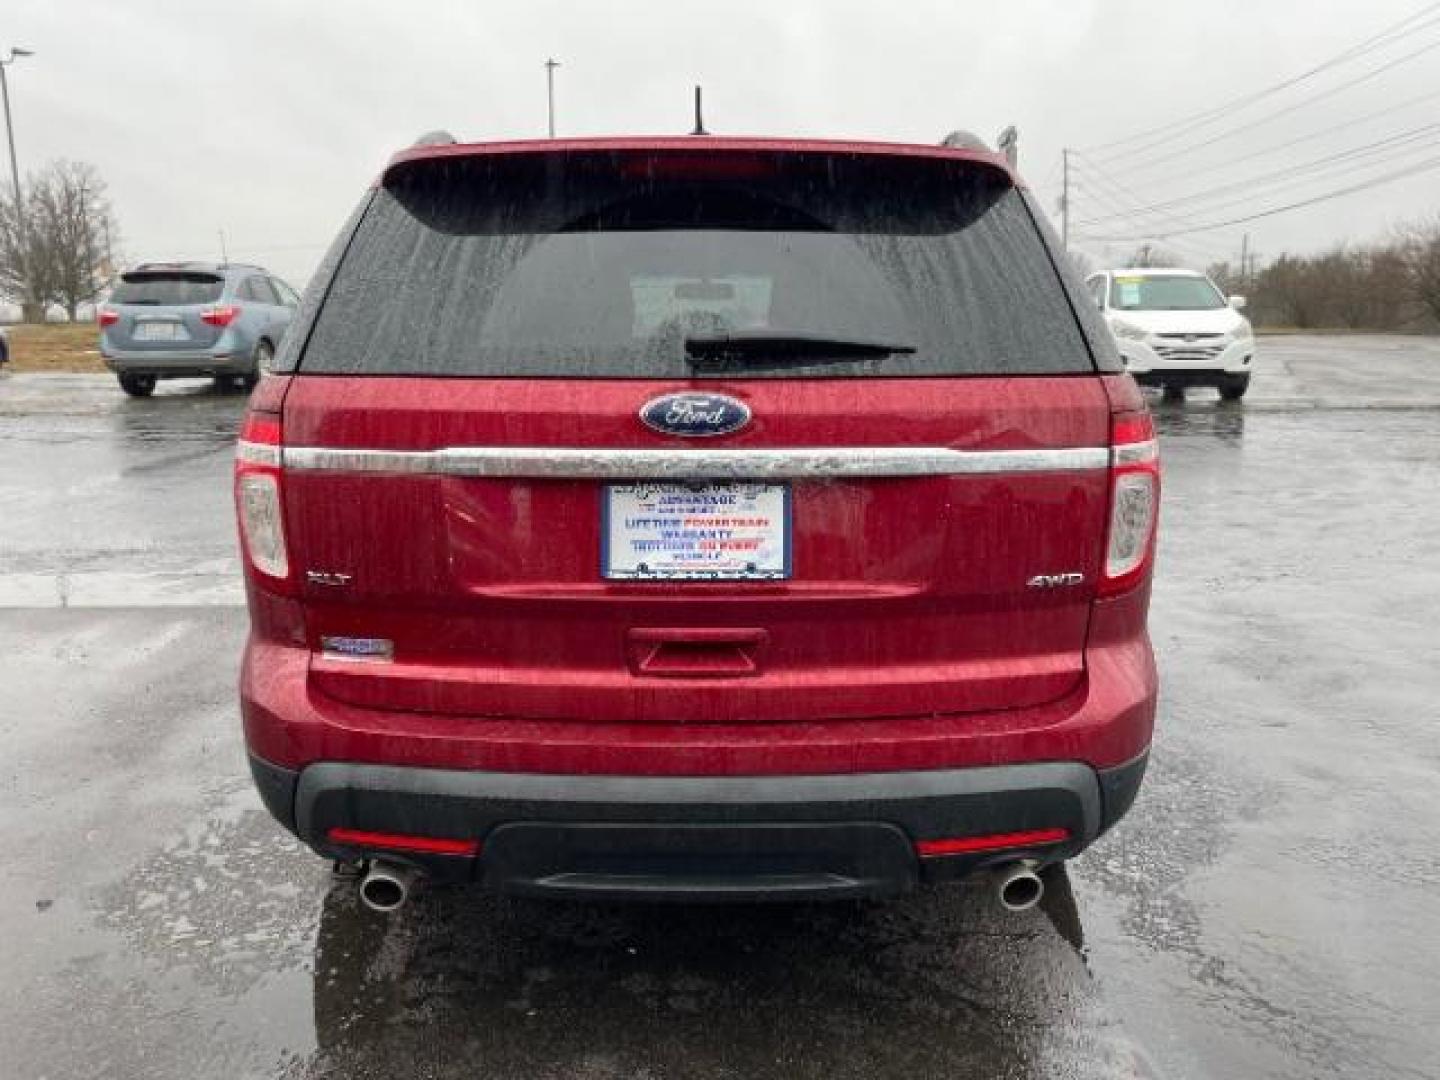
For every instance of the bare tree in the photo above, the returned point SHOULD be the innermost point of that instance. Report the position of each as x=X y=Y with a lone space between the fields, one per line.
x=74 y=220
x=1226 y=277
x=1289 y=292
x=14 y=254
x=63 y=254
x=1420 y=250
x=1390 y=285
x=1151 y=253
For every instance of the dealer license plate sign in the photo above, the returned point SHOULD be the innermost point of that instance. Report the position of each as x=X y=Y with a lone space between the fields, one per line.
x=695 y=532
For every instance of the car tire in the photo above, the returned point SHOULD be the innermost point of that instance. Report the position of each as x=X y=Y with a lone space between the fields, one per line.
x=137 y=385
x=264 y=354
x=1234 y=387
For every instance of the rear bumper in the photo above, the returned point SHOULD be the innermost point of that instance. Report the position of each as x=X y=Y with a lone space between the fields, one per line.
x=175 y=363
x=701 y=837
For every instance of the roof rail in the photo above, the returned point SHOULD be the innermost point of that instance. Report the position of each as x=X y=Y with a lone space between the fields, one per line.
x=1008 y=143
x=435 y=138
x=964 y=140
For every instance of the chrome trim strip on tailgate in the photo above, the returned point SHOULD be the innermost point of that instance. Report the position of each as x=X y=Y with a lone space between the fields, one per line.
x=601 y=463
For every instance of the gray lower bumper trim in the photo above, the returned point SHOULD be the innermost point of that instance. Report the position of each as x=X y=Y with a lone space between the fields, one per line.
x=927 y=804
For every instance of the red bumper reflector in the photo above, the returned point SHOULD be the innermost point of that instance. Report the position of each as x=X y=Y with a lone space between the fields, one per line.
x=428 y=845
x=965 y=845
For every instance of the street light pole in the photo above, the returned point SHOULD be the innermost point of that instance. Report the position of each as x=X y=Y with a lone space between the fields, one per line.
x=20 y=225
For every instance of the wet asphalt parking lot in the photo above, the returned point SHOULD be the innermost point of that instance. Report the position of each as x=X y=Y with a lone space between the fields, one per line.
x=1268 y=909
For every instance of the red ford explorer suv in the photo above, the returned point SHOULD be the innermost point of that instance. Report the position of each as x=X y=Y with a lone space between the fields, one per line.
x=697 y=518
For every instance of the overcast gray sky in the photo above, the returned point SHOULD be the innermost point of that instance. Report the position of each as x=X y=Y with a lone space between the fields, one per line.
x=268 y=118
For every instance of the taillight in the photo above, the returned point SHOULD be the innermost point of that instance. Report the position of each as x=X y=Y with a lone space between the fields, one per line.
x=108 y=317
x=1134 y=502
x=220 y=315
x=258 y=498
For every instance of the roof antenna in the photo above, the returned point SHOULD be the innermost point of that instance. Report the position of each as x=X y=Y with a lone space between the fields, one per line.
x=699 y=119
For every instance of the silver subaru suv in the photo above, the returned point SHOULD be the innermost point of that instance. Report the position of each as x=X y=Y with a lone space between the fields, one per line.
x=181 y=320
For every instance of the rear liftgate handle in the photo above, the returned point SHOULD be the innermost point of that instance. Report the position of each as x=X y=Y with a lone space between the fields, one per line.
x=695 y=652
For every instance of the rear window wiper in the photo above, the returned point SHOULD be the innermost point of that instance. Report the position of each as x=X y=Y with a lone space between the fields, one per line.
x=765 y=344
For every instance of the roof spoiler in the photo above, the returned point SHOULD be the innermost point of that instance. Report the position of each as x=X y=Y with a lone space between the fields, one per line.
x=440 y=145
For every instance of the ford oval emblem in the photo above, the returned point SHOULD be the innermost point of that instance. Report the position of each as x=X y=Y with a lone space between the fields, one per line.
x=695 y=414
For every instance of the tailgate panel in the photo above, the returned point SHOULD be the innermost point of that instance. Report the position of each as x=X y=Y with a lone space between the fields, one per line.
x=909 y=595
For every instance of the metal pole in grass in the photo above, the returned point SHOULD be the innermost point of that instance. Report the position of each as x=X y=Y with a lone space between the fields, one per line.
x=20 y=224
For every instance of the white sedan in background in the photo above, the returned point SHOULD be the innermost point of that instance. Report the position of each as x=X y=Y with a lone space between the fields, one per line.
x=1176 y=329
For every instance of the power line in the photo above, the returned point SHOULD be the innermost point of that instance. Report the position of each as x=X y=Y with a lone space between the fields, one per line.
x=1401 y=141
x=1390 y=155
x=1201 y=253
x=1175 y=128
x=1098 y=175
x=1050 y=176
x=1231 y=162
x=1198 y=255
x=1287 y=110
x=1334 y=172
x=1398 y=174
x=1162 y=231
x=1161 y=228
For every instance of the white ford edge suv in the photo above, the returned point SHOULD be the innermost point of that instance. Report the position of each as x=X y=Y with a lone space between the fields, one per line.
x=1176 y=329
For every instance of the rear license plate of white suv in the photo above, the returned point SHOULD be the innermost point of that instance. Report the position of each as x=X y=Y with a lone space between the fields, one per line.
x=695 y=532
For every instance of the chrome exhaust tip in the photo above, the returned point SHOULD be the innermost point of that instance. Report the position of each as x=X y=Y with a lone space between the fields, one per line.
x=386 y=886
x=1018 y=886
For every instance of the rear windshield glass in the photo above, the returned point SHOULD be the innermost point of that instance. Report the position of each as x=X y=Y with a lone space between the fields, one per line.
x=1172 y=292
x=170 y=287
x=607 y=266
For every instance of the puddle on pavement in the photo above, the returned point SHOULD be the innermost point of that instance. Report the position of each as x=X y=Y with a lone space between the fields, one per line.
x=232 y=900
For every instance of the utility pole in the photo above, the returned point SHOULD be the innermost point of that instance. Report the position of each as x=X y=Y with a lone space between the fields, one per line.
x=550 y=66
x=1064 y=199
x=20 y=223
x=1244 y=261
